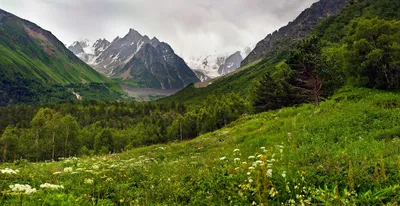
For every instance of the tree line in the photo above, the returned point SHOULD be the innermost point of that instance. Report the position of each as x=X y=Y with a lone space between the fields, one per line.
x=75 y=129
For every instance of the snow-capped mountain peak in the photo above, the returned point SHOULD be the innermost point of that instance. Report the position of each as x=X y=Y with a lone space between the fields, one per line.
x=216 y=65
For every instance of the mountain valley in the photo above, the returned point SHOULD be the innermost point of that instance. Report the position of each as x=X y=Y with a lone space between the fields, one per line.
x=308 y=116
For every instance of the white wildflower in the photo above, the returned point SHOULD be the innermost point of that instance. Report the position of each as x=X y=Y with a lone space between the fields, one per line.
x=251 y=168
x=68 y=169
x=249 y=173
x=269 y=172
x=95 y=167
x=250 y=180
x=222 y=158
x=51 y=186
x=284 y=174
x=244 y=163
x=258 y=156
x=27 y=189
x=237 y=160
x=88 y=181
x=9 y=171
x=56 y=173
x=252 y=157
x=236 y=150
x=263 y=148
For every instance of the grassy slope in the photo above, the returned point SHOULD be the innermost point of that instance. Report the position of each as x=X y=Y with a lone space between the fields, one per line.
x=32 y=61
x=240 y=82
x=351 y=141
x=40 y=55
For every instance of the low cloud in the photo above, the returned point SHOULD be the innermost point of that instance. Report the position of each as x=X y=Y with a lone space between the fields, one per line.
x=192 y=28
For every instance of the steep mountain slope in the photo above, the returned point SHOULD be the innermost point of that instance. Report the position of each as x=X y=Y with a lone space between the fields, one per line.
x=36 y=67
x=34 y=52
x=89 y=52
x=157 y=67
x=120 y=51
x=300 y=28
x=231 y=64
x=137 y=61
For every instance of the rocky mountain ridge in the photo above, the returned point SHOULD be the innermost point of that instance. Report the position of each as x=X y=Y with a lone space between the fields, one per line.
x=299 y=29
x=137 y=60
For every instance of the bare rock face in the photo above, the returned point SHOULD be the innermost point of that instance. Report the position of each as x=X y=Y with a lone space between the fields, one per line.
x=286 y=37
x=120 y=51
x=157 y=67
x=137 y=59
x=231 y=63
x=76 y=48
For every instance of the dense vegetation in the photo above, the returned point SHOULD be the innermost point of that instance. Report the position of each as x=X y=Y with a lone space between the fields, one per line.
x=343 y=153
x=361 y=51
x=71 y=129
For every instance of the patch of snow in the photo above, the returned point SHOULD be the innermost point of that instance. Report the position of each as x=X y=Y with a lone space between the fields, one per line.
x=139 y=45
x=208 y=65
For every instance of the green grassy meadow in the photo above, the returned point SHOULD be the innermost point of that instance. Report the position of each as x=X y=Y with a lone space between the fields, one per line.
x=345 y=152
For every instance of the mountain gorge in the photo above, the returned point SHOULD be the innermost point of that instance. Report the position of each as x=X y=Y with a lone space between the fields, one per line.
x=137 y=60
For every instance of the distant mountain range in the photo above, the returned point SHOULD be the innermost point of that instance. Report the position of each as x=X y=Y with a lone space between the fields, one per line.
x=136 y=60
x=212 y=66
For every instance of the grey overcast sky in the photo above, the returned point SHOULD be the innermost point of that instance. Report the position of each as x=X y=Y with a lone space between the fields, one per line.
x=191 y=27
